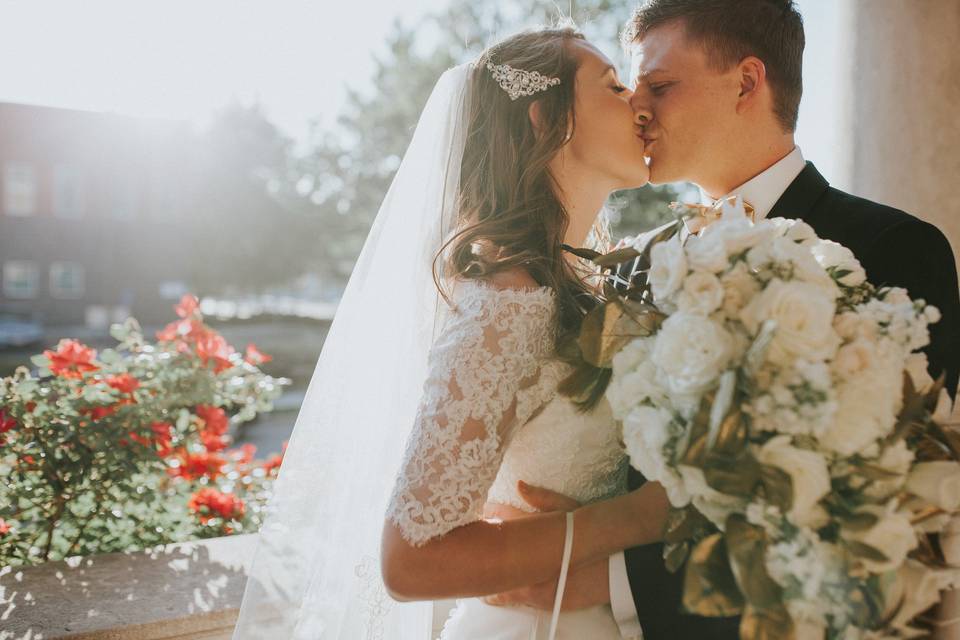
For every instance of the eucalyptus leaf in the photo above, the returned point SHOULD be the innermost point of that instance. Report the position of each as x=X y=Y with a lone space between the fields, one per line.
x=773 y=623
x=747 y=545
x=709 y=588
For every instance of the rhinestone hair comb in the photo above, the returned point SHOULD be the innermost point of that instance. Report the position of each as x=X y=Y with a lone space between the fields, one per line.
x=518 y=82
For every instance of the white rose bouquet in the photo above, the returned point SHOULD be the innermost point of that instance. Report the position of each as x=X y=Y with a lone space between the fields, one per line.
x=781 y=401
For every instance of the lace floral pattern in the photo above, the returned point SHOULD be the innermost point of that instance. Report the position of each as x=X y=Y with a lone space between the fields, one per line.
x=484 y=382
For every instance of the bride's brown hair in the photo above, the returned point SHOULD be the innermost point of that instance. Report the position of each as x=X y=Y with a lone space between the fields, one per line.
x=509 y=213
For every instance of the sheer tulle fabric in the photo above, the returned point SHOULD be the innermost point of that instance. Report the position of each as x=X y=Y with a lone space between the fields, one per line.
x=315 y=573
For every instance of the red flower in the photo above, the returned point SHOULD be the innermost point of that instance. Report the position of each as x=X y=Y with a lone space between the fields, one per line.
x=194 y=466
x=96 y=413
x=30 y=406
x=187 y=306
x=187 y=329
x=254 y=356
x=71 y=359
x=4 y=527
x=214 y=418
x=125 y=383
x=213 y=346
x=6 y=421
x=273 y=462
x=208 y=503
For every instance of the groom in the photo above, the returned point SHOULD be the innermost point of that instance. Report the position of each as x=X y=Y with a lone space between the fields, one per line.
x=718 y=86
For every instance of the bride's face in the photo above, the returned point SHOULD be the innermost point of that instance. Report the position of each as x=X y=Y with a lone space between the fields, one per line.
x=606 y=139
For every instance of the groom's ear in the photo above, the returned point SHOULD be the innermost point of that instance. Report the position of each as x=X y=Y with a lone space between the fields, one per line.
x=752 y=75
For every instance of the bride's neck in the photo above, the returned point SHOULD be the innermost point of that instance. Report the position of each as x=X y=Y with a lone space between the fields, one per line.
x=582 y=197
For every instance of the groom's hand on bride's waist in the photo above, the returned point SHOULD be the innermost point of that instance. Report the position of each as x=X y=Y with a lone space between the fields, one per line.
x=586 y=586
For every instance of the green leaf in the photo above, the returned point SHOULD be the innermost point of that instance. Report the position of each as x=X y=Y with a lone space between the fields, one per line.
x=709 y=587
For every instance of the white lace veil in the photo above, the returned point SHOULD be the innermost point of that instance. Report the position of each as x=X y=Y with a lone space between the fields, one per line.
x=316 y=571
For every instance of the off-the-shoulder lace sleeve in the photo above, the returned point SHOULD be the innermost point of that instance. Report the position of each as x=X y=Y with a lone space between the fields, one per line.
x=481 y=385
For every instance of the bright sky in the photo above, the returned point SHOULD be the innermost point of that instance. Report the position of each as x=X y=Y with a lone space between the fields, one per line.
x=184 y=58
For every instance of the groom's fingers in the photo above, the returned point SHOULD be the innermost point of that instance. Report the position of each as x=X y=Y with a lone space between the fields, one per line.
x=545 y=499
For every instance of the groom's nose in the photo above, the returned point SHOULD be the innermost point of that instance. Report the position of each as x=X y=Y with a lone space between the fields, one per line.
x=642 y=115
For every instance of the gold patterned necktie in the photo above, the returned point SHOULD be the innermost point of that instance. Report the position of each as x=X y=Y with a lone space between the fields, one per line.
x=705 y=214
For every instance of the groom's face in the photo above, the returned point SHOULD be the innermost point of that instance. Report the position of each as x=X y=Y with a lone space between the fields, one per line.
x=690 y=104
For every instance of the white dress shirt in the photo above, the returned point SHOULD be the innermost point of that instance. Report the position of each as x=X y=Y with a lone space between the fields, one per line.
x=762 y=191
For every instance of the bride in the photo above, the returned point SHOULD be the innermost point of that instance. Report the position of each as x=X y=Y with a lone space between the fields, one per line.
x=436 y=391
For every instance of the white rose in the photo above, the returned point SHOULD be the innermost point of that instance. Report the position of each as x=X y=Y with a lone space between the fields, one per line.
x=808 y=471
x=739 y=234
x=832 y=254
x=691 y=351
x=855 y=357
x=892 y=535
x=937 y=482
x=633 y=387
x=804 y=316
x=668 y=267
x=702 y=293
x=800 y=232
x=631 y=355
x=805 y=266
x=646 y=430
x=739 y=287
x=707 y=252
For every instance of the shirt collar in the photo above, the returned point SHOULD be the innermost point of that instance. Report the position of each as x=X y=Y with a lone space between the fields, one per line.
x=763 y=190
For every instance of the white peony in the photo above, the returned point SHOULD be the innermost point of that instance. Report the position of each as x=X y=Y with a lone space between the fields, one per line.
x=646 y=430
x=668 y=267
x=632 y=387
x=691 y=351
x=702 y=293
x=937 y=482
x=808 y=471
x=892 y=535
x=804 y=316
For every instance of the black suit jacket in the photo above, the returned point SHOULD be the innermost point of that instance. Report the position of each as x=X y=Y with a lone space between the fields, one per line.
x=895 y=249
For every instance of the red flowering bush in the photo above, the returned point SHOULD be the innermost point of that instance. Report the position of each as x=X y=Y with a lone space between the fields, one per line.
x=131 y=447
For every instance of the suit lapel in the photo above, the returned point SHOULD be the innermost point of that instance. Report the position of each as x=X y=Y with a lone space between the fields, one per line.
x=800 y=197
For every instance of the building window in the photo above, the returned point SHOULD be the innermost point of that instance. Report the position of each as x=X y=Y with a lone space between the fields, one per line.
x=19 y=189
x=20 y=279
x=125 y=199
x=67 y=191
x=66 y=280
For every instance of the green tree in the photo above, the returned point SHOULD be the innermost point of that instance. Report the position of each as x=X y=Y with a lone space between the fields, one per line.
x=350 y=168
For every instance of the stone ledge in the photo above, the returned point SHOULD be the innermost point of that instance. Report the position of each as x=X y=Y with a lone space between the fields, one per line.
x=183 y=591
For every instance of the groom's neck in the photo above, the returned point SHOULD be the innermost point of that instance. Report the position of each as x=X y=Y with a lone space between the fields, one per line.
x=746 y=163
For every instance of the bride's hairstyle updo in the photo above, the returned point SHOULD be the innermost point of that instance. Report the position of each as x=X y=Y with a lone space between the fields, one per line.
x=509 y=212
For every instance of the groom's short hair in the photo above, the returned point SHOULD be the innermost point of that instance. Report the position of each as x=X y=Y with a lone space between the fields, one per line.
x=731 y=30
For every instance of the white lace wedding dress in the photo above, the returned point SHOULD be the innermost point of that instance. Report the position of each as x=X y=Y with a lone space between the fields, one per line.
x=490 y=415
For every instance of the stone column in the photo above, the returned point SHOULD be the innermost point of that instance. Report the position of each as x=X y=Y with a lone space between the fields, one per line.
x=901 y=141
